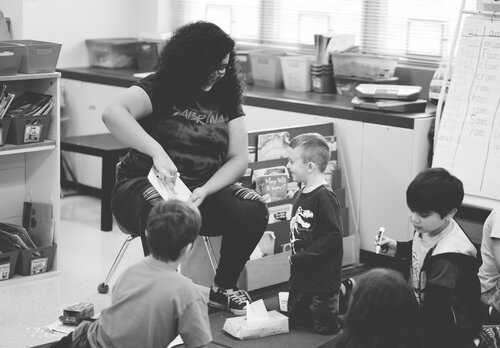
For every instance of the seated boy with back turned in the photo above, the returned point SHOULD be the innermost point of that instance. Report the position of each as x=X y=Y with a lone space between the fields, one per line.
x=316 y=239
x=151 y=302
x=444 y=266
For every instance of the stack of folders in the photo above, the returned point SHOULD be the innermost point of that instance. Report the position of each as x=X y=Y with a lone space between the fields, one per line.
x=5 y=100
x=14 y=237
x=31 y=104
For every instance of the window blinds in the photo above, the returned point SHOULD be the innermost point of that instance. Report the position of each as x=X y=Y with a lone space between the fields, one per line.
x=419 y=32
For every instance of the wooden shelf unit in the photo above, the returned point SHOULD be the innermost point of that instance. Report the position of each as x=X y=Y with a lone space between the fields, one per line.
x=31 y=172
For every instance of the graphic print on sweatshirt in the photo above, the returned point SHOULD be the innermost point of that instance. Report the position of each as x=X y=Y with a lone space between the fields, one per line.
x=300 y=229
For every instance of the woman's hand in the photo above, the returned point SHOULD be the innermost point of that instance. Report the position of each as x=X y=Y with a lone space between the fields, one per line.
x=387 y=245
x=167 y=170
x=198 y=196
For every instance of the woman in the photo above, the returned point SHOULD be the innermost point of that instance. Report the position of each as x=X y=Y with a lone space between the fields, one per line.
x=186 y=119
x=383 y=313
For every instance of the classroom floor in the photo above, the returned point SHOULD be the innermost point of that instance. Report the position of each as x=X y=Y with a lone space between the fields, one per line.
x=85 y=255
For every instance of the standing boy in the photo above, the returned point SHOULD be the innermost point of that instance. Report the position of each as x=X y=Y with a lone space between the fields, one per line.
x=151 y=302
x=316 y=238
x=444 y=266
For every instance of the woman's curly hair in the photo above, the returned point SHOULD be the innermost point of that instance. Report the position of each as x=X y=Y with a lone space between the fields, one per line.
x=195 y=51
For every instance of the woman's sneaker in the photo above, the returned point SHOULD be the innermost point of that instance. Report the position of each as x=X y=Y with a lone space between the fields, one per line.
x=346 y=287
x=232 y=300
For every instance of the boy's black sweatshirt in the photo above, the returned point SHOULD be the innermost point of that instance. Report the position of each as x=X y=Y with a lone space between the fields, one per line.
x=451 y=302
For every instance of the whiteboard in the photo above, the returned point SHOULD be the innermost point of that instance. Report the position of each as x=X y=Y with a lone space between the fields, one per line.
x=468 y=139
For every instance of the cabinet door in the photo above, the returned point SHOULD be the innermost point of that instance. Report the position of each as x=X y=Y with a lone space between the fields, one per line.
x=385 y=173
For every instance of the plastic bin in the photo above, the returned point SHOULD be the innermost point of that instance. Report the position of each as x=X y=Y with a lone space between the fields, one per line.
x=243 y=58
x=35 y=261
x=296 y=72
x=38 y=56
x=8 y=262
x=322 y=78
x=10 y=58
x=28 y=129
x=147 y=55
x=363 y=65
x=113 y=53
x=4 y=129
x=266 y=69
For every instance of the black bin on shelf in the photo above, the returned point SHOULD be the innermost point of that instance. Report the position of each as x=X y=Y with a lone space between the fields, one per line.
x=36 y=261
x=8 y=262
x=28 y=129
x=4 y=130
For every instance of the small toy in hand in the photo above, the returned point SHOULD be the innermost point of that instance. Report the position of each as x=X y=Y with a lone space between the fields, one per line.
x=76 y=313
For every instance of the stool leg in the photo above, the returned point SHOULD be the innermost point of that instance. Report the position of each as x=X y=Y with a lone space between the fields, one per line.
x=211 y=253
x=103 y=287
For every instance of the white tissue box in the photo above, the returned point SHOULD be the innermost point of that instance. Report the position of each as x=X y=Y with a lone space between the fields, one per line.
x=238 y=327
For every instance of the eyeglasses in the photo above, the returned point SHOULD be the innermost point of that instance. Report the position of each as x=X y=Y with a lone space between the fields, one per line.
x=222 y=69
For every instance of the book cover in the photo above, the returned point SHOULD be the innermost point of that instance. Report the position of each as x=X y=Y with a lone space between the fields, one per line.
x=280 y=212
x=272 y=146
x=272 y=187
x=332 y=142
x=268 y=171
x=180 y=191
x=38 y=221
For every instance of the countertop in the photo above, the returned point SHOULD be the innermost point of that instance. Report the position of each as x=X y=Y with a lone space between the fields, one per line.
x=320 y=104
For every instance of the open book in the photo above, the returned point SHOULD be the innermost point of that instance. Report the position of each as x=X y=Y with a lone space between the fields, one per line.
x=181 y=191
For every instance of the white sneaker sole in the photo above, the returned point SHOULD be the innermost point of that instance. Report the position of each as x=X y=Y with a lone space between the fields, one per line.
x=226 y=308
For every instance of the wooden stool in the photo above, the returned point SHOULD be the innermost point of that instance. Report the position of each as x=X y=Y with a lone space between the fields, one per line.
x=109 y=149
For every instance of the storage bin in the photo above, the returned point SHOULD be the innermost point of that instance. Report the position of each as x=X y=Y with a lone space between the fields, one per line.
x=347 y=85
x=28 y=129
x=35 y=261
x=4 y=129
x=243 y=58
x=10 y=58
x=147 y=55
x=266 y=69
x=8 y=262
x=296 y=72
x=113 y=53
x=38 y=56
x=363 y=65
x=265 y=271
x=322 y=78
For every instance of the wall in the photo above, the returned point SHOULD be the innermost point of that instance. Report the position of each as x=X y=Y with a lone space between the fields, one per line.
x=70 y=22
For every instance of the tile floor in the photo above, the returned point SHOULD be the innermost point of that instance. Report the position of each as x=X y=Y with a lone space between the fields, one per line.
x=85 y=255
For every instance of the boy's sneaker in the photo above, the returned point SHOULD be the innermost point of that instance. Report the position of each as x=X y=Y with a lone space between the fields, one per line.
x=233 y=300
x=346 y=287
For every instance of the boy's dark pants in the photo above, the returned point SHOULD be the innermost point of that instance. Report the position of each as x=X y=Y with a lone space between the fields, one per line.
x=237 y=214
x=319 y=310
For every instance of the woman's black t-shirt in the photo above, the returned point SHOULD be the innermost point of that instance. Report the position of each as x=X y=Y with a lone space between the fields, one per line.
x=195 y=136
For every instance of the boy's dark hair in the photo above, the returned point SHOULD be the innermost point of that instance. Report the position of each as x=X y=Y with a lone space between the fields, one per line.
x=383 y=313
x=170 y=227
x=435 y=189
x=195 y=51
x=314 y=149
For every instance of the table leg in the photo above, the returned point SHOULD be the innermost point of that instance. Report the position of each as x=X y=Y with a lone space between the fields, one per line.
x=108 y=181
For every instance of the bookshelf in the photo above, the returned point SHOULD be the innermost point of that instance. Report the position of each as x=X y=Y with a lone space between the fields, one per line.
x=274 y=269
x=31 y=172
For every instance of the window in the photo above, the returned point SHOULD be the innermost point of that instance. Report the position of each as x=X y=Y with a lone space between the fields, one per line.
x=419 y=32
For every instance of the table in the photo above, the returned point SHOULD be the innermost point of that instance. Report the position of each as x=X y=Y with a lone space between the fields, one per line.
x=110 y=150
